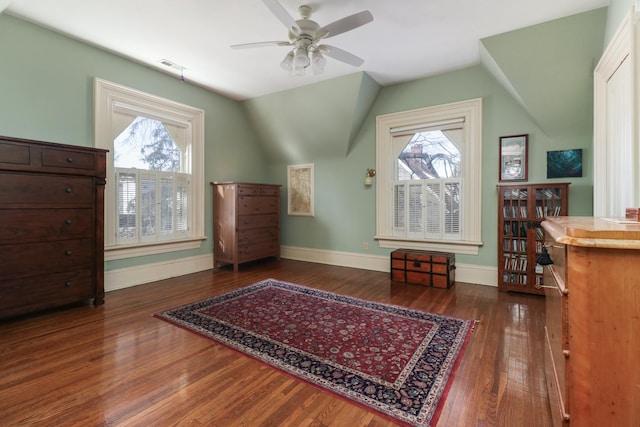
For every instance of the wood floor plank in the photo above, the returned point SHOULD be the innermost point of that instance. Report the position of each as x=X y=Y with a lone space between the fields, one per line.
x=117 y=365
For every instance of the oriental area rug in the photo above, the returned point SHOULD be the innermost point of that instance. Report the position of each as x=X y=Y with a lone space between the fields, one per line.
x=389 y=359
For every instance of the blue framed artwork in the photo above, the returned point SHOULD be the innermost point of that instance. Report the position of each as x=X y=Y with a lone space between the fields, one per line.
x=564 y=163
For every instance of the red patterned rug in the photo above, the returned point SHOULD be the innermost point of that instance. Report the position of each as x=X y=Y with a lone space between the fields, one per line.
x=393 y=360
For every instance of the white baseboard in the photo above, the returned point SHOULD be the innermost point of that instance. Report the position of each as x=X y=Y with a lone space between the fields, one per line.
x=468 y=273
x=138 y=275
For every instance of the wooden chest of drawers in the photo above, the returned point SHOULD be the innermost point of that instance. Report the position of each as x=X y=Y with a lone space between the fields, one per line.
x=246 y=220
x=592 y=320
x=51 y=225
x=427 y=268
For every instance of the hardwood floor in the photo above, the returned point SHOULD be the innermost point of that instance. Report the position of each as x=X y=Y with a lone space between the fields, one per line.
x=117 y=365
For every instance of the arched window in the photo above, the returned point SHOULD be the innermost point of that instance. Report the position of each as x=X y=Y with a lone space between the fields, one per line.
x=155 y=172
x=429 y=178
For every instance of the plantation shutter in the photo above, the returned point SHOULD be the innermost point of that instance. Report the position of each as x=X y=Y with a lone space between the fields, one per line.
x=126 y=206
x=182 y=200
x=433 y=226
x=157 y=202
x=399 y=210
x=415 y=219
x=148 y=196
x=452 y=229
x=427 y=209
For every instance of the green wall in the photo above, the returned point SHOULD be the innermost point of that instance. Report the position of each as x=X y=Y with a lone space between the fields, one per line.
x=46 y=93
x=345 y=208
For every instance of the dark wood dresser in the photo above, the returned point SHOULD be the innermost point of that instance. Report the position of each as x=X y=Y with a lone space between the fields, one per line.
x=592 y=321
x=246 y=222
x=51 y=225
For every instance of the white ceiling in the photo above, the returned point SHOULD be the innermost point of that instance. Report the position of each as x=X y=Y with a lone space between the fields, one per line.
x=407 y=40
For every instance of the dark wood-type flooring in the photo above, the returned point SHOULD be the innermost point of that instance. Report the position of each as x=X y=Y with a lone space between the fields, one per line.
x=117 y=365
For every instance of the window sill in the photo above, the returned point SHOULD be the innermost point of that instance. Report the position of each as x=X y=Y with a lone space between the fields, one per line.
x=461 y=247
x=132 y=251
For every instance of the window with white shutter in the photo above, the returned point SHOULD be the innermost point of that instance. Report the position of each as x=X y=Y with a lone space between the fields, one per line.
x=154 y=197
x=429 y=178
x=152 y=192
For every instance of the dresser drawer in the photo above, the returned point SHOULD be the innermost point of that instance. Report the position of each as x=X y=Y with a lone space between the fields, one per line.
x=18 y=189
x=255 y=235
x=249 y=252
x=29 y=259
x=248 y=205
x=36 y=225
x=14 y=154
x=65 y=158
x=32 y=293
x=246 y=222
x=248 y=190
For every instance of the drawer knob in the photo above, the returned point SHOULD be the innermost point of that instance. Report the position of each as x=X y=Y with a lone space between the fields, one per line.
x=67 y=283
x=70 y=159
x=69 y=190
x=68 y=253
x=68 y=222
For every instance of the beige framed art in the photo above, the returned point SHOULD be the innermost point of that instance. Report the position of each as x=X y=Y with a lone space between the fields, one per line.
x=514 y=152
x=300 y=190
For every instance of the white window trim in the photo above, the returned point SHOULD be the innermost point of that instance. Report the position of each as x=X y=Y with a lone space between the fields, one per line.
x=471 y=222
x=110 y=97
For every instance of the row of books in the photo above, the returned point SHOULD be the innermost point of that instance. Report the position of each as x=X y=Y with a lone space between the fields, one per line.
x=515 y=212
x=515 y=262
x=544 y=211
x=515 y=193
x=515 y=245
x=547 y=193
x=521 y=193
x=522 y=212
x=519 y=279
x=515 y=229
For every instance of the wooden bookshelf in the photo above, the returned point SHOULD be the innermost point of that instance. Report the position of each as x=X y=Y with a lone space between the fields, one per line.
x=521 y=209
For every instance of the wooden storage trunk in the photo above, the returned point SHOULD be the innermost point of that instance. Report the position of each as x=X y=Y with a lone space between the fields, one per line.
x=427 y=268
x=633 y=214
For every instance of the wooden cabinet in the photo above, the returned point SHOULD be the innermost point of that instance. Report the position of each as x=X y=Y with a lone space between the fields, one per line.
x=51 y=225
x=592 y=322
x=246 y=221
x=521 y=209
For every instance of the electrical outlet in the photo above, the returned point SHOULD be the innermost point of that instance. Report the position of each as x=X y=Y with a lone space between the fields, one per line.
x=365 y=246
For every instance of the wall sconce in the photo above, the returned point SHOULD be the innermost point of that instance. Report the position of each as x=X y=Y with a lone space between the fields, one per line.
x=368 y=178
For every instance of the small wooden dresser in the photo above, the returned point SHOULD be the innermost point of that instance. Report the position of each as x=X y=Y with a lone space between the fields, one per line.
x=51 y=225
x=592 y=322
x=246 y=221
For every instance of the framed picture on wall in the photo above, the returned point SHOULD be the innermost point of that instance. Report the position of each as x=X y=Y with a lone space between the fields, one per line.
x=564 y=163
x=300 y=190
x=514 y=157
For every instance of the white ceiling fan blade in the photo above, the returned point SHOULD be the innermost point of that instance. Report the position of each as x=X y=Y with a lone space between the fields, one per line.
x=346 y=24
x=341 y=55
x=259 y=44
x=282 y=14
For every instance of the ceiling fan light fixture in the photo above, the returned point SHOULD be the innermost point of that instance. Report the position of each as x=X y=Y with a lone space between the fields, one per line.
x=301 y=58
x=317 y=62
x=287 y=62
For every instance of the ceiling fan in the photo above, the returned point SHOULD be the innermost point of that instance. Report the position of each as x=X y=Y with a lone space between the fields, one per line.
x=305 y=35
